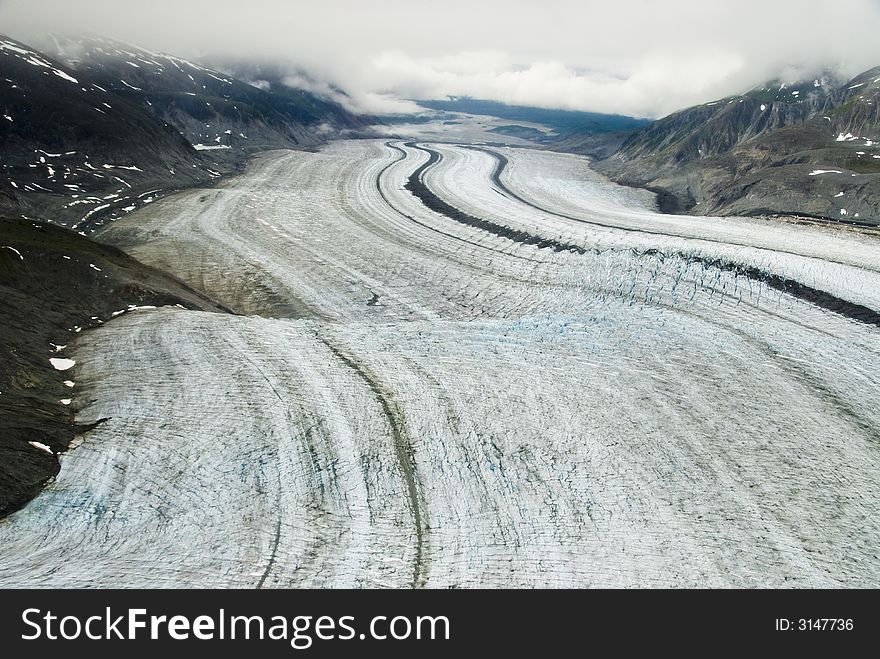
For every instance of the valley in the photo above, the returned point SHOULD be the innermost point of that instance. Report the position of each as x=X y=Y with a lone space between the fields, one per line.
x=468 y=365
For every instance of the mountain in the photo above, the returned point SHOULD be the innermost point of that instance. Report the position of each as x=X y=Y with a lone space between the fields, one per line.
x=74 y=149
x=213 y=109
x=53 y=283
x=100 y=127
x=808 y=148
x=326 y=107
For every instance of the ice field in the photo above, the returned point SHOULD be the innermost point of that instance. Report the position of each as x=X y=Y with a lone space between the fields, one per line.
x=470 y=366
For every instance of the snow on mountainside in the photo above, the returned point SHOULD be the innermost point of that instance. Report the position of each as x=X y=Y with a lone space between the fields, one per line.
x=100 y=127
x=753 y=153
x=213 y=110
x=74 y=151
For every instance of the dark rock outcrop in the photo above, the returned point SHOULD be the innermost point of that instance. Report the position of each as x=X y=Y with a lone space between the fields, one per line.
x=796 y=149
x=55 y=283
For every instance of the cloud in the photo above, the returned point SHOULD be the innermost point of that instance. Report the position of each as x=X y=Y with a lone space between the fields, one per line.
x=638 y=57
x=656 y=85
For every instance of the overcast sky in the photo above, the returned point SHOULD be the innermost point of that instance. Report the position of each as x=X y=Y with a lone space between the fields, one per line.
x=639 y=57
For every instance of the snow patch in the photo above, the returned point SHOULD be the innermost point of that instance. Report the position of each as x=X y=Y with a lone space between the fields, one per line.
x=133 y=307
x=61 y=364
x=133 y=168
x=14 y=250
x=41 y=447
x=92 y=212
x=63 y=75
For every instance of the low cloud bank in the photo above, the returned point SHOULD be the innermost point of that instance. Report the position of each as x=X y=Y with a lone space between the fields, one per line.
x=635 y=57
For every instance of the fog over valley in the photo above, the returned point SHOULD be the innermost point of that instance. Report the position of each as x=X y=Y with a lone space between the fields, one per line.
x=633 y=57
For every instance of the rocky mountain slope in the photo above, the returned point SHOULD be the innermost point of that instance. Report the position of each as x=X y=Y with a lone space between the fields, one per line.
x=72 y=149
x=809 y=148
x=100 y=128
x=53 y=284
x=212 y=109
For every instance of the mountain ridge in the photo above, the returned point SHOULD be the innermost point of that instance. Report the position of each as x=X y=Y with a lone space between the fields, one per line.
x=73 y=149
x=100 y=127
x=212 y=109
x=807 y=148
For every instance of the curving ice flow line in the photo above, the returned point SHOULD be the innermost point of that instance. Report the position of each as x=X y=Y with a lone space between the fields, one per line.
x=409 y=217
x=404 y=451
x=408 y=400
x=820 y=298
x=502 y=163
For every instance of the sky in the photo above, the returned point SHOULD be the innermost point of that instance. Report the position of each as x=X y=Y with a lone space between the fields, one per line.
x=643 y=58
